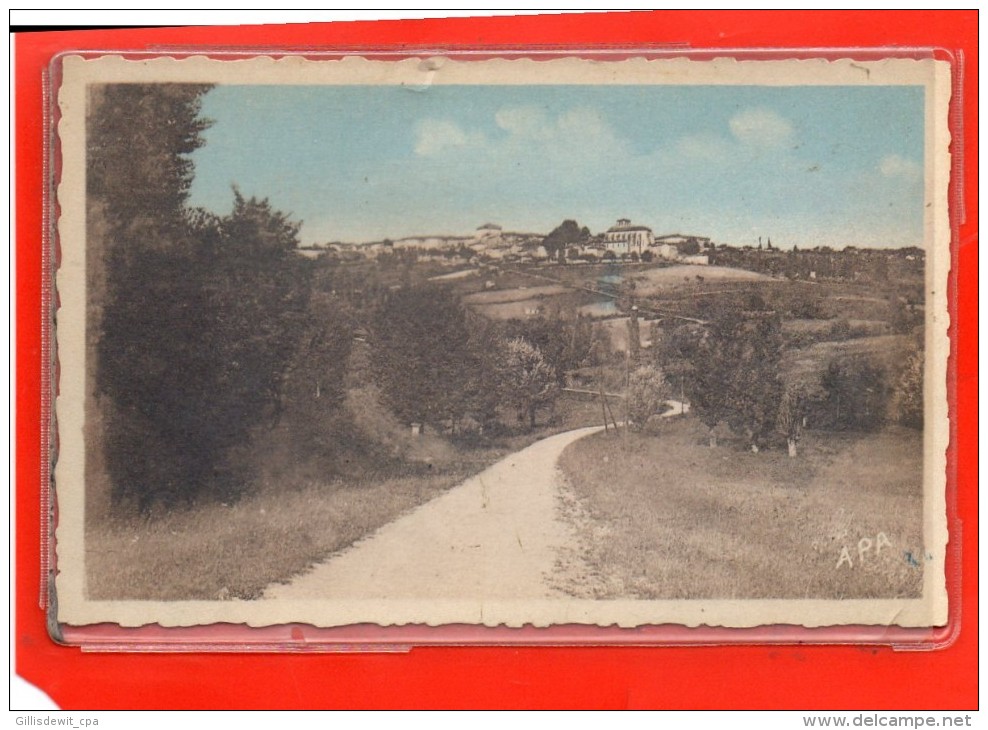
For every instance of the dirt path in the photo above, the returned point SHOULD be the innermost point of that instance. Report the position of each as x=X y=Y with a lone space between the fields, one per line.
x=497 y=535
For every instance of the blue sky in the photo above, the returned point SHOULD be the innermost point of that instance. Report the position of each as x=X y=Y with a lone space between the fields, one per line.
x=802 y=165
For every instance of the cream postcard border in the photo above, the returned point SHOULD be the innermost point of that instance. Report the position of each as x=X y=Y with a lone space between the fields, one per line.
x=74 y=608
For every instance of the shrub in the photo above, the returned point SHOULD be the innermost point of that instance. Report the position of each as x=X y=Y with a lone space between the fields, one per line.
x=856 y=395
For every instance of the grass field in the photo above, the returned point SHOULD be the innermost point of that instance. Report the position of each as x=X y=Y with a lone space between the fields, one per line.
x=807 y=364
x=662 y=516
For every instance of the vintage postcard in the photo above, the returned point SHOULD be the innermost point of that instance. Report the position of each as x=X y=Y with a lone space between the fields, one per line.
x=503 y=342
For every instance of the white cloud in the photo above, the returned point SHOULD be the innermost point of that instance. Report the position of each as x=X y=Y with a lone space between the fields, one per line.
x=560 y=142
x=435 y=135
x=896 y=166
x=574 y=133
x=524 y=121
x=761 y=127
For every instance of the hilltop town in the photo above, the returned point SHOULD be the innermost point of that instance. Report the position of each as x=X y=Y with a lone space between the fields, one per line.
x=626 y=242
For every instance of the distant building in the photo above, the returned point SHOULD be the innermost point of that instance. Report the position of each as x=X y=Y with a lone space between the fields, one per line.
x=679 y=245
x=624 y=237
x=680 y=239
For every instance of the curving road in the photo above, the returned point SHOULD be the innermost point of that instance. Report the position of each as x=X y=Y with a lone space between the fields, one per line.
x=497 y=535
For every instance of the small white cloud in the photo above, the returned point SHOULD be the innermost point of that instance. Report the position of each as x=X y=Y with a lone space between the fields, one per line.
x=435 y=135
x=761 y=127
x=896 y=166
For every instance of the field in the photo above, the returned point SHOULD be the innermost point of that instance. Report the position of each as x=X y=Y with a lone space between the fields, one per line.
x=657 y=280
x=664 y=517
x=518 y=303
x=500 y=296
x=807 y=364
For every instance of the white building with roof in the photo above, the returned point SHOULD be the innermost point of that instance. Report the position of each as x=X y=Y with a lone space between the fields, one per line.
x=625 y=237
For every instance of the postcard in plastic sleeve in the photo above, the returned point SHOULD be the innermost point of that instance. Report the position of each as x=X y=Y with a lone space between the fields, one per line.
x=432 y=344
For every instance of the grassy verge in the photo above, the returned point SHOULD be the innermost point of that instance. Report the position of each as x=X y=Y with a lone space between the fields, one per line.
x=215 y=551
x=663 y=516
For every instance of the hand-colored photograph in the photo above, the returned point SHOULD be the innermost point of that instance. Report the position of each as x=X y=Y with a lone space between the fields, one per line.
x=502 y=343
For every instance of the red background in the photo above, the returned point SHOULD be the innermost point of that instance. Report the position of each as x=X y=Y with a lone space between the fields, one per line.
x=741 y=677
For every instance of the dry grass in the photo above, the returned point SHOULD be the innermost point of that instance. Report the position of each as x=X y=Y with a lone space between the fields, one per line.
x=659 y=280
x=215 y=551
x=500 y=296
x=668 y=517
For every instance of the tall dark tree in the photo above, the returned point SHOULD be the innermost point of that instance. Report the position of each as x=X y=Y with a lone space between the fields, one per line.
x=907 y=395
x=562 y=236
x=201 y=315
x=314 y=383
x=138 y=170
x=735 y=374
x=423 y=356
x=138 y=176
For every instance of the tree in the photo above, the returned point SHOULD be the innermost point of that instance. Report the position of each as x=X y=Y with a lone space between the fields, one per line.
x=422 y=354
x=138 y=171
x=562 y=236
x=564 y=343
x=646 y=395
x=195 y=344
x=736 y=375
x=634 y=336
x=529 y=382
x=200 y=315
x=755 y=385
x=483 y=388
x=900 y=317
x=314 y=382
x=690 y=247
x=138 y=175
